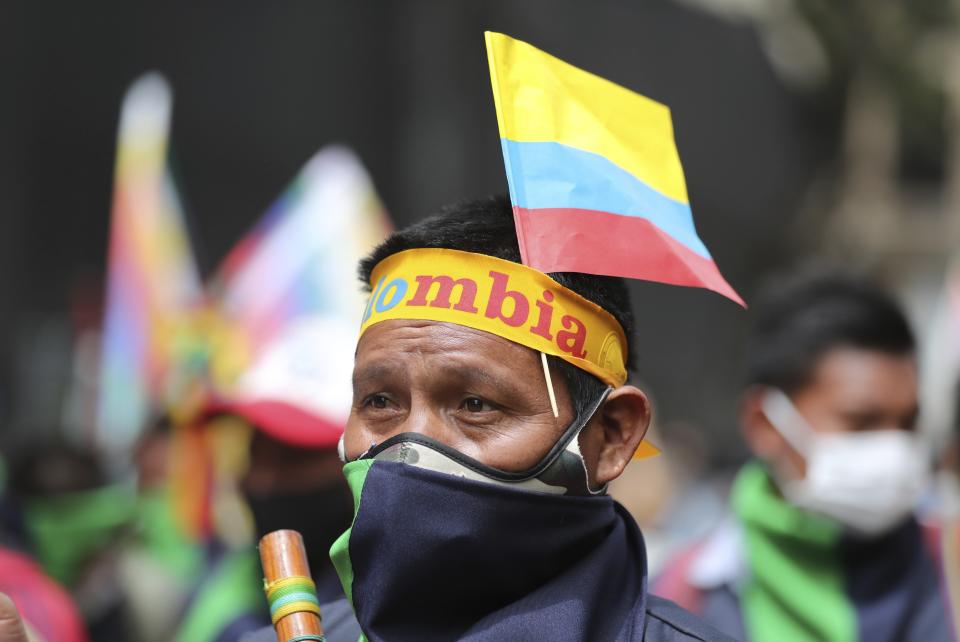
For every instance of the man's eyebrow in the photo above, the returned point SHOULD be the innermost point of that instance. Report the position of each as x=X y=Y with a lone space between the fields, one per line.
x=375 y=372
x=473 y=373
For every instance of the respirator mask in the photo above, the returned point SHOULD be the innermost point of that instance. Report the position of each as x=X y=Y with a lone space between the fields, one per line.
x=867 y=481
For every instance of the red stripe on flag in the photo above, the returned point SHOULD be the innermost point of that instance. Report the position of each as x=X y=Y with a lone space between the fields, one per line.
x=577 y=240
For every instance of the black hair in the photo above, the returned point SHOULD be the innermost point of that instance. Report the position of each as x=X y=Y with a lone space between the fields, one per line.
x=50 y=469
x=485 y=226
x=801 y=319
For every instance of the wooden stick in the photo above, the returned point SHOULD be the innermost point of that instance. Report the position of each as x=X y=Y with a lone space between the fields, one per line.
x=546 y=375
x=282 y=555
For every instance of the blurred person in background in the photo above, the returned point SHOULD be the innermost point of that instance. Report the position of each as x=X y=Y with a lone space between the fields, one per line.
x=75 y=520
x=295 y=470
x=822 y=542
x=294 y=400
x=33 y=607
x=158 y=562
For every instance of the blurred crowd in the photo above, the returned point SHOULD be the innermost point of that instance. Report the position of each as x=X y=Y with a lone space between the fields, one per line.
x=214 y=409
x=839 y=480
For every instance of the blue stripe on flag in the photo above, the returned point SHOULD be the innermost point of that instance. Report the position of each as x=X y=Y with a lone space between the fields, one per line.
x=554 y=175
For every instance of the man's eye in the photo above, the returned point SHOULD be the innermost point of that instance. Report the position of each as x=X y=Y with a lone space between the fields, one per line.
x=379 y=402
x=476 y=404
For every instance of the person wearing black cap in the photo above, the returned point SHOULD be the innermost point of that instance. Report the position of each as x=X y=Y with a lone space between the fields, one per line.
x=295 y=398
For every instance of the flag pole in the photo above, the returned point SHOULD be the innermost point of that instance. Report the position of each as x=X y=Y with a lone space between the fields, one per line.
x=550 y=391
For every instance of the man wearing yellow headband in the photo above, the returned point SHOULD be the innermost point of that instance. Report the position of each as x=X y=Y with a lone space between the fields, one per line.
x=478 y=474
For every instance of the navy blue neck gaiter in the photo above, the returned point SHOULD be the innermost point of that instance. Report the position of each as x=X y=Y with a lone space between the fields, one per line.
x=435 y=556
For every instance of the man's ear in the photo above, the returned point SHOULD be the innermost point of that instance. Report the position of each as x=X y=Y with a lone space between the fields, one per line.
x=762 y=438
x=622 y=423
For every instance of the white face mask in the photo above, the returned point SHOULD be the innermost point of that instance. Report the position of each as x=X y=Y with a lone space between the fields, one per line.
x=867 y=481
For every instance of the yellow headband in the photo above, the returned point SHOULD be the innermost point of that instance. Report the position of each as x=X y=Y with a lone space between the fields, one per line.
x=504 y=298
x=501 y=297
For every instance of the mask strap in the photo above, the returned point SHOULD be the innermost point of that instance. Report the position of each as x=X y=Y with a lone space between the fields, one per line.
x=342 y=453
x=555 y=467
x=574 y=449
x=787 y=420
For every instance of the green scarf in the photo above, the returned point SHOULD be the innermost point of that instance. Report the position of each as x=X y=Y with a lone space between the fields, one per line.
x=162 y=538
x=796 y=590
x=233 y=589
x=66 y=531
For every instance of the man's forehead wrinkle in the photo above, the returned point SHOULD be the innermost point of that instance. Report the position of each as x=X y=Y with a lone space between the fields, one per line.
x=441 y=363
x=434 y=331
x=429 y=337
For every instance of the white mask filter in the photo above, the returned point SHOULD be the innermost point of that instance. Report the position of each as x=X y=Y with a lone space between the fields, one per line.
x=867 y=481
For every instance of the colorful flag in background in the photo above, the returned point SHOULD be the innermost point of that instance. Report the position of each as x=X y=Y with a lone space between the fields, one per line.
x=301 y=259
x=152 y=281
x=594 y=174
x=285 y=307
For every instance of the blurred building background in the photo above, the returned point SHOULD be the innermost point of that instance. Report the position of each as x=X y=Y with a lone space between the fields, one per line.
x=808 y=130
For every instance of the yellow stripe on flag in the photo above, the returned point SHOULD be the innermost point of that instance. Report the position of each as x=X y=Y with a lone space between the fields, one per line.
x=540 y=98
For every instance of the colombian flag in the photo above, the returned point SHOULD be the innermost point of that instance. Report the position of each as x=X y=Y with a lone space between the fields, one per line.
x=595 y=177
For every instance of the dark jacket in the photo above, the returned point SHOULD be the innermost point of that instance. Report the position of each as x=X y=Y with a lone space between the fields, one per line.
x=664 y=622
